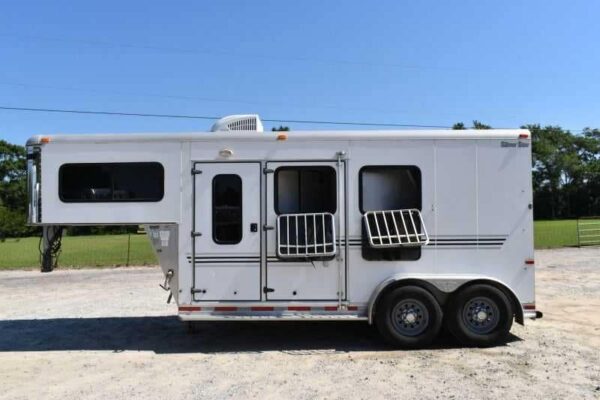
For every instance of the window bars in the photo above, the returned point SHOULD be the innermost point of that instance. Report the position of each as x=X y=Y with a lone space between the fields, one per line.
x=306 y=235
x=395 y=228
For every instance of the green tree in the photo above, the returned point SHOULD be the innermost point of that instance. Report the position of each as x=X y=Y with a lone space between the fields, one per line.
x=13 y=223
x=280 y=128
x=476 y=125
x=480 y=125
x=565 y=171
x=13 y=191
x=13 y=170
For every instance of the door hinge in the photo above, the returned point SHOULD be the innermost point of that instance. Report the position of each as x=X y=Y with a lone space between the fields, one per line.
x=268 y=228
x=268 y=290
x=196 y=234
x=268 y=171
x=196 y=171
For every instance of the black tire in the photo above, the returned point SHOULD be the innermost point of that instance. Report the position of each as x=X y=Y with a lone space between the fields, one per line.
x=480 y=316
x=408 y=317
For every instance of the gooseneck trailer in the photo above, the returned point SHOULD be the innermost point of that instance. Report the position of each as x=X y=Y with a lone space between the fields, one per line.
x=407 y=230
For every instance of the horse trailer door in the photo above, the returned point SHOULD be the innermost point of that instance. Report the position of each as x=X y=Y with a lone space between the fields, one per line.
x=226 y=231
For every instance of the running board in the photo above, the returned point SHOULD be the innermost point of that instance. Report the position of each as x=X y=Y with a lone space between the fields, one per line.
x=200 y=316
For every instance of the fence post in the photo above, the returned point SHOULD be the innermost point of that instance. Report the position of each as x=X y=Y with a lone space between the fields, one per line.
x=578 y=239
x=128 y=248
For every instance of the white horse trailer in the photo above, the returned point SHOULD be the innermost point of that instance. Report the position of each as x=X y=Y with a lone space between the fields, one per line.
x=408 y=230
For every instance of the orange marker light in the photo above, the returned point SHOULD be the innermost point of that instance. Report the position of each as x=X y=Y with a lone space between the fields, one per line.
x=282 y=136
x=45 y=139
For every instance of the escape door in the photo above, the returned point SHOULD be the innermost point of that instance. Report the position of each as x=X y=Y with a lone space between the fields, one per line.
x=226 y=231
x=304 y=221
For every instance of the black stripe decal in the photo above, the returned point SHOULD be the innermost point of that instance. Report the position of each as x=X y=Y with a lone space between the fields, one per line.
x=221 y=257
x=466 y=240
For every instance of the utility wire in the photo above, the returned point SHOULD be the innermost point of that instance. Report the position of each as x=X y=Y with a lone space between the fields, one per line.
x=190 y=98
x=212 y=118
x=205 y=117
x=252 y=103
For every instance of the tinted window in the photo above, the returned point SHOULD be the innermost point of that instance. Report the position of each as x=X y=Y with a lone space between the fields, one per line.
x=305 y=189
x=389 y=188
x=227 y=209
x=111 y=182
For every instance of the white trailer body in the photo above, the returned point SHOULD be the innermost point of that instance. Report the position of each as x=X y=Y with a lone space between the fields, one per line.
x=306 y=225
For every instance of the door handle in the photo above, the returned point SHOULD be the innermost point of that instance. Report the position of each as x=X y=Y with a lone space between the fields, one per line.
x=254 y=227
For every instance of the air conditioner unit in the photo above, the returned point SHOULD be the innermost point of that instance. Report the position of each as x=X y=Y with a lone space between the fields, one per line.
x=250 y=122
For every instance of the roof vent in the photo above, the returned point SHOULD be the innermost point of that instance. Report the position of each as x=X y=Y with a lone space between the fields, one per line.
x=250 y=122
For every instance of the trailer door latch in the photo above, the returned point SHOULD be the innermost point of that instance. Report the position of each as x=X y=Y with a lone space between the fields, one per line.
x=268 y=290
x=268 y=228
x=196 y=234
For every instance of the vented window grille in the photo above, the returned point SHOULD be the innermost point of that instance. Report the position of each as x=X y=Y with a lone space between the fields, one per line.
x=306 y=235
x=393 y=228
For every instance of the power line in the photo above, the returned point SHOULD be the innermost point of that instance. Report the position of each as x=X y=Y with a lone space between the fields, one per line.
x=187 y=98
x=204 y=117
x=213 y=118
x=251 y=103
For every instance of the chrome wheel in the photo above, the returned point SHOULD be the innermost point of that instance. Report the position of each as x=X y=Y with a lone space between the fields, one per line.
x=410 y=317
x=481 y=315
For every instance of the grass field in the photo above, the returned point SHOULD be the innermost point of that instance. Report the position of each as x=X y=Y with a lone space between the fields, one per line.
x=80 y=251
x=563 y=233
x=549 y=234
x=111 y=250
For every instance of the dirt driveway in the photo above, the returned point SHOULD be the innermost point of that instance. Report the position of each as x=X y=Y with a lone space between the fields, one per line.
x=109 y=334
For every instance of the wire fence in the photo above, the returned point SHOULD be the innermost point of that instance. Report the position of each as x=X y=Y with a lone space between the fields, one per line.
x=112 y=250
x=588 y=231
x=567 y=233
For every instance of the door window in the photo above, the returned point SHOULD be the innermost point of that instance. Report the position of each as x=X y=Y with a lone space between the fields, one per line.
x=305 y=189
x=227 y=209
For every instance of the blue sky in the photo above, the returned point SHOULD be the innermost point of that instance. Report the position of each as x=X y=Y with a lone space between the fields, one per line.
x=433 y=63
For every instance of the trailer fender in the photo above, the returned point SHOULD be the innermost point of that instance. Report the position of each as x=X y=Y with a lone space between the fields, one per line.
x=441 y=288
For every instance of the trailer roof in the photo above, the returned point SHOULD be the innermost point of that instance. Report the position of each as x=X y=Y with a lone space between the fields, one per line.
x=364 y=135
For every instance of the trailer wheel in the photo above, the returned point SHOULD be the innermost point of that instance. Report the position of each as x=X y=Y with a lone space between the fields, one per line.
x=409 y=317
x=479 y=315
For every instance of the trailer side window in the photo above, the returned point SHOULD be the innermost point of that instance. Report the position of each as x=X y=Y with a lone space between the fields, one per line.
x=393 y=187
x=305 y=189
x=305 y=199
x=111 y=182
x=227 y=209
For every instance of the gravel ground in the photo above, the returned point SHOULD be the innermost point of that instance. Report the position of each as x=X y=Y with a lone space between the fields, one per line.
x=109 y=334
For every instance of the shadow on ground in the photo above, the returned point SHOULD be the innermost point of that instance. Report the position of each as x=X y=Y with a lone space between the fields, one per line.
x=169 y=335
